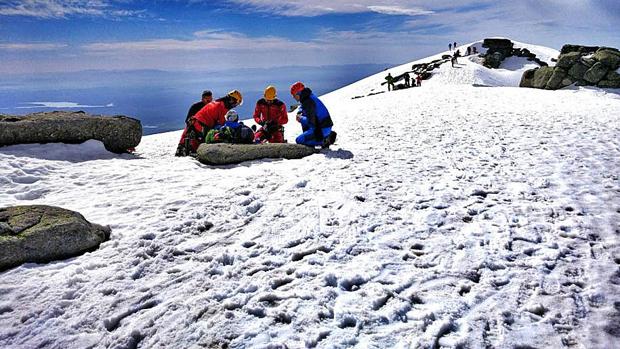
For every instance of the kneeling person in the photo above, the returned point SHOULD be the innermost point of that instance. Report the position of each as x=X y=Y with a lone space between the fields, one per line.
x=270 y=114
x=314 y=118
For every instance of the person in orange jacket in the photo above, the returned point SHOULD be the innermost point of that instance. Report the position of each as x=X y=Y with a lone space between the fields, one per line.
x=270 y=114
x=209 y=117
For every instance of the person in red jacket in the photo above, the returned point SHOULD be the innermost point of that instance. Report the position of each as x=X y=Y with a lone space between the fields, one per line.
x=209 y=117
x=270 y=114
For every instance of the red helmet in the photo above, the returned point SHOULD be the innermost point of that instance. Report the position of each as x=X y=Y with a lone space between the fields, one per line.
x=297 y=87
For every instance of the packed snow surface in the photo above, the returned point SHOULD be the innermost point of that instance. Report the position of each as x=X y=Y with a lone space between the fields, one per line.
x=446 y=216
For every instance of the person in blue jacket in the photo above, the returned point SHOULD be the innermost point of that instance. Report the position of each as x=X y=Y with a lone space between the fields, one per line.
x=314 y=117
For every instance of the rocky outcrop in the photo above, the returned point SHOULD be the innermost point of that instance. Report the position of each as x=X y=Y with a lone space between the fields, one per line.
x=580 y=65
x=224 y=154
x=499 y=49
x=117 y=133
x=42 y=234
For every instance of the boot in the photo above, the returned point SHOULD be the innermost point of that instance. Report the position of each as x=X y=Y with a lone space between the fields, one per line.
x=329 y=140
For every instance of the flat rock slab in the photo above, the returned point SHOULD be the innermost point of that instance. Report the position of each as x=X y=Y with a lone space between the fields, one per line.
x=42 y=234
x=117 y=133
x=224 y=154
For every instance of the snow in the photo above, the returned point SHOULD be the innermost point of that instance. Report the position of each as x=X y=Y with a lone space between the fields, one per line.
x=445 y=216
x=469 y=70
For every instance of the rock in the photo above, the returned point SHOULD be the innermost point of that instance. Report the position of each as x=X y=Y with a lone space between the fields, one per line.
x=578 y=48
x=497 y=43
x=555 y=81
x=567 y=81
x=493 y=60
x=578 y=70
x=596 y=73
x=446 y=56
x=40 y=234
x=118 y=133
x=609 y=57
x=526 y=79
x=608 y=84
x=567 y=60
x=611 y=80
x=223 y=154
x=541 y=77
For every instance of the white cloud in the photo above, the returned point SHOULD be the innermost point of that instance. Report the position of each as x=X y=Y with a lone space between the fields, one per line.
x=64 y=8
x=322 y=7
x=397 y=10
x=31 y=47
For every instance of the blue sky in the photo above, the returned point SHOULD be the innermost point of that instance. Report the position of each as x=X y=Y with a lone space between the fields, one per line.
x=72 y=35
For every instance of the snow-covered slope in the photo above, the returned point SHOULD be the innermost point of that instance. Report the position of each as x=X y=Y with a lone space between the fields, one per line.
x=446 y=216
x=469 y=70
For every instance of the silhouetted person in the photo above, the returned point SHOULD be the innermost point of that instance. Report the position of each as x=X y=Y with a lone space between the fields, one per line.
x=390 y=82
x=475 y=50
x=454 y=45
x=468 y=50
x=407 y=80
x=450 y=47
x=418 y=80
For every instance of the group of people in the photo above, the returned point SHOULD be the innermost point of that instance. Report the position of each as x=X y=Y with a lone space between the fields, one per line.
x=408 y=81
x=216 y=121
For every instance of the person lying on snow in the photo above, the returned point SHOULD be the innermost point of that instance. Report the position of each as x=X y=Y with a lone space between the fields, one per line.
x=232 y=131
x=314 y=117
x=206 y=119
x=270 y=114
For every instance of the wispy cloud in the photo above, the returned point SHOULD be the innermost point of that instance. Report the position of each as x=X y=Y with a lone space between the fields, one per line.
x=322 y=7
x=65 y=8
x=31 y=47
x=398 y=10
x=205 y=40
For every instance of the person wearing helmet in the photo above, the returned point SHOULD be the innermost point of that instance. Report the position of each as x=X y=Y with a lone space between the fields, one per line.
x=207 y=118
x=270 y=114
x=314 y=117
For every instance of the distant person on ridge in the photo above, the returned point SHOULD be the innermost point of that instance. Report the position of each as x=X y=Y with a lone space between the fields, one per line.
x=207 y=97
x=468 y=50
x=454 y=46
x=314 y=117
x=390 y=81
x=207 y=118
x=450 y=47
x=407 y=80
x=270 y=114
x=475 y=50
x=418 y=80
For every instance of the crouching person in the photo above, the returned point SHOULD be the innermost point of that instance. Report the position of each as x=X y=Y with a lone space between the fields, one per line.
x=211 y=116
x=314 y=117
x=270 y=114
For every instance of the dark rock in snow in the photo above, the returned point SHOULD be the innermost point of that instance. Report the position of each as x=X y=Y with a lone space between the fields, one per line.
x=566 y=61
x=555 y=81
x=578 y=70
x=42 y=234
x=596 y=73
x=578 y=48
x=223 y=154
x=609 y=57
x=117 y=133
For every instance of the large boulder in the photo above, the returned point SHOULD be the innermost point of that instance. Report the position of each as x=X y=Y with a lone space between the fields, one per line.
x=578 y=70
x=567 y=60
x=609 y=57
x=117 y=133
x=224 y=154
x=556 y=79
x=541 y=77
x=527 y=78
x=42 y=234
x=611 y=80
x=596 y=73
x=578 y=48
